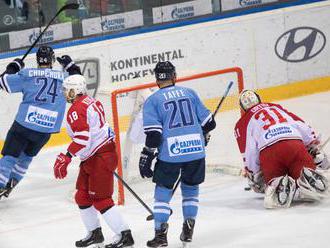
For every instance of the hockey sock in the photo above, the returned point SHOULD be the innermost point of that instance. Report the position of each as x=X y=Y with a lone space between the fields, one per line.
x=89 y=218
x=162 y=208
x=6 y=165
x=189 y=200
x=115 y=221
x=21 y=166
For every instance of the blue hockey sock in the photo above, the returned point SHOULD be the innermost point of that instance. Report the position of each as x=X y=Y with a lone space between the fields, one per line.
x=21 y=166
x=189 y=200
x=6 y=165
x=162 y=208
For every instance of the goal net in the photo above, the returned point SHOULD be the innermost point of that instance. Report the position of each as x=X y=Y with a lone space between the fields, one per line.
x=222 y=155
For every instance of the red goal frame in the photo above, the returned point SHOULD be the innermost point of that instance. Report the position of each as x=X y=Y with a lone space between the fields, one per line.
x=121 y=194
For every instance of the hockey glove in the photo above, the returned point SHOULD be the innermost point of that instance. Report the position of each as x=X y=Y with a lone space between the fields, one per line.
x=146 y=157
x=15 y=66
x=65 y=61
x=207 y=137
x=255 y=181
x=60 y=166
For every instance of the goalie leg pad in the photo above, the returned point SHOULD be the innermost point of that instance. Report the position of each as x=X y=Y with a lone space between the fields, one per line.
x=312 y=185
x=279 y=193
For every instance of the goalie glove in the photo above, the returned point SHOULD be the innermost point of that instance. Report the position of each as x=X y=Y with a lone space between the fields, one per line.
x=255 y=180
x=146 y=157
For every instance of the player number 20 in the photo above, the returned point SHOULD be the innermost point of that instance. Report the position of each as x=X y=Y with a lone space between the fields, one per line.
x=183 y=107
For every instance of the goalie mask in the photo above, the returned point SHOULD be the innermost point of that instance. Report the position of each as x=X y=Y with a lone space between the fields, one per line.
x=45 y=56
x=165 y=73
x=248 y=99
x=73 y=86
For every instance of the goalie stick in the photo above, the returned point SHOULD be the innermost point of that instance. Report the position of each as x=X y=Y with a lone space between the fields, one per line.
x=65 y=7
x=214 y=114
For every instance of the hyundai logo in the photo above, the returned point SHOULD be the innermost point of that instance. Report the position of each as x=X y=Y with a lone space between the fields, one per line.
x=300 y=44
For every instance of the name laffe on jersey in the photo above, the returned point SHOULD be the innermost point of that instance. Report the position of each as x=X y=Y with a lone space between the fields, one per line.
x=46 y=73
x=184 y=145
x=273 y=132
x=173 y=94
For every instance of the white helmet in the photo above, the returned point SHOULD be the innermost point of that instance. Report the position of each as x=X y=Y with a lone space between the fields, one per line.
x=248 y=99
x=74 y=85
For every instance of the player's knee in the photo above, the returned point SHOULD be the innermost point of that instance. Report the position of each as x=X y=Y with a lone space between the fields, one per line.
x=189 y=190
x=82 y=198
x=102 y=205
x=162 y=194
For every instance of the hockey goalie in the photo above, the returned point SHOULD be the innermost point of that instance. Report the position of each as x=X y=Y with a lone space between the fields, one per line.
x=280 y=153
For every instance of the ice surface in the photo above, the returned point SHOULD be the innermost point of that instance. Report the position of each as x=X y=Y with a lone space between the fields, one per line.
x=41 y=213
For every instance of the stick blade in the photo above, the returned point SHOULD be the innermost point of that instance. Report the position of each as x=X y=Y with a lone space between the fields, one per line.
x=150 y=217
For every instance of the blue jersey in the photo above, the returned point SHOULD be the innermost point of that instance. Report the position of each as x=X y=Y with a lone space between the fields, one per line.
x=43 y=105
x=178 y=114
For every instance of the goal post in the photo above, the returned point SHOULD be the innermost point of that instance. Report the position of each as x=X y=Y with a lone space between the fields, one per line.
x=126 y=107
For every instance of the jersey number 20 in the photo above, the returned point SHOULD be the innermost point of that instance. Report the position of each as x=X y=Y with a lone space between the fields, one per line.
x=183 y=106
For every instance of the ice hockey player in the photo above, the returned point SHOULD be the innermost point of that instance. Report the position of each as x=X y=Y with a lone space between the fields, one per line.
x=93 y=143
x=40 y=113
x=174 y=120
x=275 y=144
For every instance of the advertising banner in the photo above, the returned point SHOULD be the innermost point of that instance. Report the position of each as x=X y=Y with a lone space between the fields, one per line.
x=23 y=38
x=179 y=11
x=238 y=4
x=112 y=23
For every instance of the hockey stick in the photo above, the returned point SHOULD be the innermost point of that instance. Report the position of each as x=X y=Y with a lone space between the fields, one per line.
x=65 y=7
x=151 y=216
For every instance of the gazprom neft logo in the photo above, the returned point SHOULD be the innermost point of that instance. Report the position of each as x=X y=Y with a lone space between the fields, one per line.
x=278 y=131
x=245 y=3
x=41 y=117
x=183 y=12
x=113 y=24
x=184 y=145
x=48 y=36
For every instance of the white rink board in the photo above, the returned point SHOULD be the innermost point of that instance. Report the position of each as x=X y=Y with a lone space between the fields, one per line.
x=247 y=42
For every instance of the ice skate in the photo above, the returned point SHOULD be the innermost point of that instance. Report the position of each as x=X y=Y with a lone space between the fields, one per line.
x=3 y=191
x=126 y=240
x=93 y=238
x=187 y=232
x=10 y=186
x=160 y=239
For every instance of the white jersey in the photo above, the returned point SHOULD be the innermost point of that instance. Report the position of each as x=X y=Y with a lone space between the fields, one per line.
x=264 y=125
x=87 y=127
